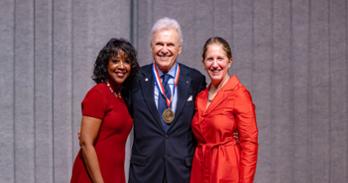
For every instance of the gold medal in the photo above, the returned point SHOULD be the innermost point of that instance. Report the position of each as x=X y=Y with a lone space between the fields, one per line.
x=168 y=115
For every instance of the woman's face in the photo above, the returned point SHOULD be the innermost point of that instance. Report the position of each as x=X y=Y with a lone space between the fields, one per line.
x=119 y=68
x=216 y=63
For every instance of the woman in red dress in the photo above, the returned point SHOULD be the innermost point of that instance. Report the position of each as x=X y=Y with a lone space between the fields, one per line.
x=224 y=107
x=106 y=122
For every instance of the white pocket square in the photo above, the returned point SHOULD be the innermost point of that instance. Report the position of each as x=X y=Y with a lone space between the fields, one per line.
x=189 y=99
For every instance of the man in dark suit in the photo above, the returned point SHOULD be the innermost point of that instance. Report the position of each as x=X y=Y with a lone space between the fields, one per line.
x=162 y=106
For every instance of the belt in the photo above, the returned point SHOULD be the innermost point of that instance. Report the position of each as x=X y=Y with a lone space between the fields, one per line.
x=207 y=151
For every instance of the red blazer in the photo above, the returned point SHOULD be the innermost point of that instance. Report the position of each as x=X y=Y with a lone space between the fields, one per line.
x=218 y=157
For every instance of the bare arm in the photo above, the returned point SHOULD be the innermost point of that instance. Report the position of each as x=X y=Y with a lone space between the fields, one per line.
x=89 y=131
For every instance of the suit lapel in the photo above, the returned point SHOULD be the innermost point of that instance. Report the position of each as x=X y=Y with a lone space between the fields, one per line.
x=183 y=93
x=148 y=92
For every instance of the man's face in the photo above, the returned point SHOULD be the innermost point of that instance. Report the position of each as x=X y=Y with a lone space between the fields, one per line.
x=165 y=48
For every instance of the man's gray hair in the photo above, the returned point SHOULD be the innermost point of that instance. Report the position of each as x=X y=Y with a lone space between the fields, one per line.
x=166 y=23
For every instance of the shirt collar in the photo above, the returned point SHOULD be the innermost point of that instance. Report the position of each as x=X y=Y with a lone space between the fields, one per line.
x=171 y=72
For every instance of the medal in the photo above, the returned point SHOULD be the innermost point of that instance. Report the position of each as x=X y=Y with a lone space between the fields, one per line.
x=168 y=115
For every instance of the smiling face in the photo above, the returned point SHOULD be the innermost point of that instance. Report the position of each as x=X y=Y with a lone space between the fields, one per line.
x=166 y=47
x=119 y=68
x=216 y=63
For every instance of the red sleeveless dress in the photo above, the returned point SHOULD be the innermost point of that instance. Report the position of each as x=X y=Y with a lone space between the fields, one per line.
x=110 y=143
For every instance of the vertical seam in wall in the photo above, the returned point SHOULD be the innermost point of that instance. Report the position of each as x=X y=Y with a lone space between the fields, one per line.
x=252 y=47
x=131 y=33
x=52 y=88
x=14 y=91
x=346 y=65
x=152 y=13
x=232 y=27
x=194 y=37
x=330 y=91
x=292 y=92
x=149 y=36
x=72 y=77
x=213 y=6
x=34 y=88
x=232 y=30
x=134 y=22
x=137 y=24
x=231 y=33
x=271 y=113
x=309 y=92
x=131 y=12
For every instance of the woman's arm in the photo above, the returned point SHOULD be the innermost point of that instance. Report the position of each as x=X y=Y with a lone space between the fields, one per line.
x=248 y=136
x=89 y=131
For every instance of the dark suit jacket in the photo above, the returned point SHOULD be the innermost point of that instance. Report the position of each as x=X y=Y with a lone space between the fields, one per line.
x=156 y=154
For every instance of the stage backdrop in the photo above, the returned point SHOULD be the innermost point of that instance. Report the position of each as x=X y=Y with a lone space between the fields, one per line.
x=291 y=54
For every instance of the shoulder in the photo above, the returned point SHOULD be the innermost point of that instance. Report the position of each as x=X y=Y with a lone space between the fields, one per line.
x=99 y=87
x=190 y=70
x=194 y=74
x=146 y=68
x=241 y=93
x=197 y=79
x=96 y=101
x=97 y=90
x=145 y=71
x=241 y=89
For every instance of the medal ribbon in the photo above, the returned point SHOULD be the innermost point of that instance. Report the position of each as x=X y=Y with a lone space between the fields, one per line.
x=160 y=85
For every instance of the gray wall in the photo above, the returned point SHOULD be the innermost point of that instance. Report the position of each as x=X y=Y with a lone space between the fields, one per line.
x=47 y=50
x=292 y=55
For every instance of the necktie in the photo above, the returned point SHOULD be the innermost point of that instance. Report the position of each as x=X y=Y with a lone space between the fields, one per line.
x=162 y=101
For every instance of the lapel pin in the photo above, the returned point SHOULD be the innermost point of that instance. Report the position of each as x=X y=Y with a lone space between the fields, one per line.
x=146 y=79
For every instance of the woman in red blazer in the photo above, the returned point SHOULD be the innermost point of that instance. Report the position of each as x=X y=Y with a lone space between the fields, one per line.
x=224 y=107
